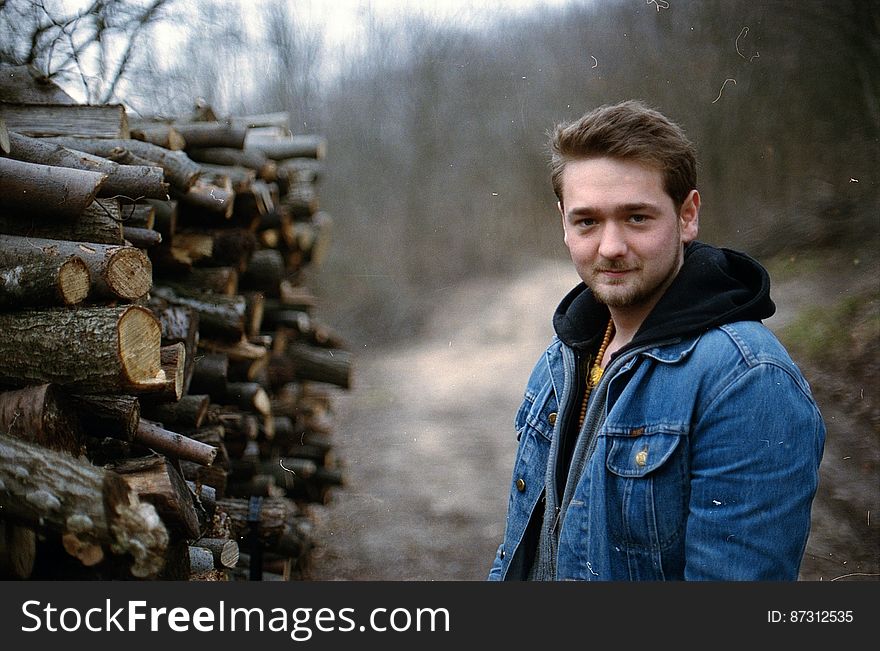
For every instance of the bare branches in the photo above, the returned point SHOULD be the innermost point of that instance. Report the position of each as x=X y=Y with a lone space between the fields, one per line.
x=94 y=45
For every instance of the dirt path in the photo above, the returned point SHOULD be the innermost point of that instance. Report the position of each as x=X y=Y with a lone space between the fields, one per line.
x=427 y=440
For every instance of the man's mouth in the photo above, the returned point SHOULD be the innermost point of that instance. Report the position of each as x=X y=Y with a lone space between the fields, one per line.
x=614 y=273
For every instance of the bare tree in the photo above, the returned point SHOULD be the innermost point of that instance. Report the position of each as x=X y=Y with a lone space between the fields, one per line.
x=295 y=83
x=94 y=45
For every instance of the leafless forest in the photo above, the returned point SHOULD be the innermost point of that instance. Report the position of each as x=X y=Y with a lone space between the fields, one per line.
x=436 y=129
x=436 y=172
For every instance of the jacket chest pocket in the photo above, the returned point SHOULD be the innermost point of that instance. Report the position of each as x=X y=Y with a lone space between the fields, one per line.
x=646 y=486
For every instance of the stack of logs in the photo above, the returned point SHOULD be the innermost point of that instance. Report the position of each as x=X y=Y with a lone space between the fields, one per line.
x=165 y=391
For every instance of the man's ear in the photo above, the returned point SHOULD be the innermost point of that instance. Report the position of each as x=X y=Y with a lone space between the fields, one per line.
x=561 y=210
x=689 y=217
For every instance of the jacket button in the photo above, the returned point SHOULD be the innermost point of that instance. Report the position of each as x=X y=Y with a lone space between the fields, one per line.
x=552 y=418
x=641 y=457
x=520 y=484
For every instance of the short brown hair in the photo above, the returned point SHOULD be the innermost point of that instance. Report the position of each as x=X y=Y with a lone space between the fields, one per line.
x=629 y=130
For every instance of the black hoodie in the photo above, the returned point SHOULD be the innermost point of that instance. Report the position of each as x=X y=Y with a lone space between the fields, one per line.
x=714 y=286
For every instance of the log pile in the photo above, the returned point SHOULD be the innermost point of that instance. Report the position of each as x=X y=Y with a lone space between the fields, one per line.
x=165 y=389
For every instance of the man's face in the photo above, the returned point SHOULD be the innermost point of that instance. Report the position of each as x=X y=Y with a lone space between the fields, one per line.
x=623 y=231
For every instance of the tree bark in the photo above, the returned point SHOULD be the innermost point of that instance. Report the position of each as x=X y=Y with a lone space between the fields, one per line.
x=274 y=514
x=201 y=561
x=27 y=84
x=43 y=415
x=189 y=411
x=139 y=215
x=212 y=134
x=259 y=485
x=59 y=281
x=59 y=192
x=180 y=171
x=203 y=196
x=219 y=280
x=219 y=316
x=253 y=314
x=205 y=476
x=249 y=396
x=165 y=219
x=297 y=297
x=91 y=350
x=302 y=362
x=265 y=271
x=205 y=497
x=256 y=206
x=223 y=550
x=236 y=424
x=157 y=481
x=116 y=271
x=216 y=248
x=90 y=506
x=173 y=444
x=133 y=181
x=108 y=415
x=279 y=119
x=249 y=370
x=141 y=238
x=42 y=120
x=250 y=158
x=240 y=178
x=161 y=135
x=302 y=146
x=211 y=435
x=18 y=551
x=100 y=223
x=210 y=376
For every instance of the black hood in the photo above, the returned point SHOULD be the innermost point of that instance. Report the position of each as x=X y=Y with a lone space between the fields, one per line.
x=715 y=286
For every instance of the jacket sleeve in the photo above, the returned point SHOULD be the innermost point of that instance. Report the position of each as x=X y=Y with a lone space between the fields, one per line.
x=755 y=454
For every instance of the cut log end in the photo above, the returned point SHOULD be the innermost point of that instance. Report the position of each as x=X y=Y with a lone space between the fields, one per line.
x=129 y=273
x=140 y=338
x=262 y=403
x=73 y=281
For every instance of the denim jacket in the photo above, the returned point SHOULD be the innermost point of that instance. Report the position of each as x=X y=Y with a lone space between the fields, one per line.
x=698 y=460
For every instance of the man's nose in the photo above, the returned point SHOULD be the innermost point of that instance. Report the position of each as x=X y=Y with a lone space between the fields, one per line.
x=613 y=242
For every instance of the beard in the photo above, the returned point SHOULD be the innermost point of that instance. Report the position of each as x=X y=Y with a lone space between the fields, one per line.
x=631 y=291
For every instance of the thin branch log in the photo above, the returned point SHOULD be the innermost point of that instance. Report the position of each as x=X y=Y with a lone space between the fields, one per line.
x=116 y=271
x=127 y=180
x=174 y=444
x=60 y=281
x=61 y=192
x=180 y=171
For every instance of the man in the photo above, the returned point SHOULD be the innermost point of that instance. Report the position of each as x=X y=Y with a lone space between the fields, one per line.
x=665 y=433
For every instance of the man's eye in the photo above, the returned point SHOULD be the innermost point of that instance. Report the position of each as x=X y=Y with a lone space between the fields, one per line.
x=638 y=219
x=586 y=222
